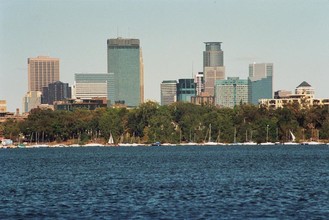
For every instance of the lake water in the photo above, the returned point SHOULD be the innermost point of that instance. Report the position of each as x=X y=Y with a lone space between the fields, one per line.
x=228 y=182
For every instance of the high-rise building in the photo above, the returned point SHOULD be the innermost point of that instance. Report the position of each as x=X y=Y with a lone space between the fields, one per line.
x=231 y=92
x=213 y=55
x=56 y=91
x=124 y=59
x=213 y=66
x=31 y=100
x=168 y=92
x=42 y=70
x=94 y=85
x=260 y=82
x=185 y=90
x=211 y=75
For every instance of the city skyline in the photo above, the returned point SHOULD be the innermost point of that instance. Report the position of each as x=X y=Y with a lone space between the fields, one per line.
x=291 y=35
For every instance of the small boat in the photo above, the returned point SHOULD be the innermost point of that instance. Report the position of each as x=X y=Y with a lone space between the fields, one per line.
x=21 y=146
x=156 y=143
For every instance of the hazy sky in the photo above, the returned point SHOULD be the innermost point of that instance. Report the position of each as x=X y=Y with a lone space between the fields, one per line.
x=294 y=35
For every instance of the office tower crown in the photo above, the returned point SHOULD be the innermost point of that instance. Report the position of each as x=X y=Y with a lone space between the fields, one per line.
x=213 y=56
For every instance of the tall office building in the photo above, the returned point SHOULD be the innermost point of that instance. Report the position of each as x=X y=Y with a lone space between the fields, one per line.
x=168 y=92
x=213 y=55
x=231 y=92
x=260 y=82
x=185 y=90
x=56 y=91
x=94 y=85
x=213 y=66
x=124 y=59
x=42 y=70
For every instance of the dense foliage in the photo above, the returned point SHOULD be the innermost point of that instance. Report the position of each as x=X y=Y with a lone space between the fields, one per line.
x=179 y=122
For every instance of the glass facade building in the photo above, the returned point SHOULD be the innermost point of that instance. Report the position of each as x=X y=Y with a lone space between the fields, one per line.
x=260 y=82
x=186 y=88
x=231 y=92
x=94 y=85
x=168 y=92
x=124 y=59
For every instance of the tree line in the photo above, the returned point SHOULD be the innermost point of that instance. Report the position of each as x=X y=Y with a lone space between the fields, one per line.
x=175 y=123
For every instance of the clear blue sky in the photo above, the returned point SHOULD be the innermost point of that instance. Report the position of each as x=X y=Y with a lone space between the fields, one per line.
x=294 y=35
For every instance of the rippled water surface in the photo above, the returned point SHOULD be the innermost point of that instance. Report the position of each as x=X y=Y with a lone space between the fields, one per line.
x=165 y=183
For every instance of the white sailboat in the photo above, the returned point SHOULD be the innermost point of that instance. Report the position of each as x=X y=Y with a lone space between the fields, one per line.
x=111 y=141
x=293 y=139
x=211 y=143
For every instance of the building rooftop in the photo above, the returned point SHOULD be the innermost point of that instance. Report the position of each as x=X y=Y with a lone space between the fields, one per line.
x=304 y=84
x=169 y=81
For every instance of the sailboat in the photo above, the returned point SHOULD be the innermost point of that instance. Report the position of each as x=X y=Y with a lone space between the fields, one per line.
x=293 y=139
x=111 y=141
x=211 y=143
x=267 y=142
x=250 y=142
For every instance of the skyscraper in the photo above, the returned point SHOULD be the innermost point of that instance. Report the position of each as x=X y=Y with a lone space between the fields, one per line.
x=260 y=82
x=124 y=59
x=231 y=92
x=213 y=66
x=94 y=85
x=213 y=55
x=168 y=92
x=42 y=70
x=56 y=91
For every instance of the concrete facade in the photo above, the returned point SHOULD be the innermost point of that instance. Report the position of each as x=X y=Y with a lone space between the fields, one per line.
x=42 y=70
x=168 y=92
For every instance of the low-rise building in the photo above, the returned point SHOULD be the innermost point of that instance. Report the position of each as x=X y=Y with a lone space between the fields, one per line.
x=304 y=96
x=71 y=104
